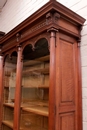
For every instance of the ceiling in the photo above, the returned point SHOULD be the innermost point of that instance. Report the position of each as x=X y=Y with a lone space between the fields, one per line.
x=2 y=3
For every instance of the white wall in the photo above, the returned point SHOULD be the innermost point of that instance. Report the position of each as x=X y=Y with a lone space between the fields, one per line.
x=16 y=11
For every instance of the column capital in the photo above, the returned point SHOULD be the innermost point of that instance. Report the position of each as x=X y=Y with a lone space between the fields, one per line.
x=79 y=42
x=19 y=47
x=52 y=29
x=52 y=35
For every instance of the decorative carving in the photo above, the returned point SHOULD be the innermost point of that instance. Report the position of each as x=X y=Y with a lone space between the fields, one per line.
x=37 y=27
x=52 y=18
x=52 y=34
x=18 y=37
x=52 y=30
x=33 y=47
x=20 y=49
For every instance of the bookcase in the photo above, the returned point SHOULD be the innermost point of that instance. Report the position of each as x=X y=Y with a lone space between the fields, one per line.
x=40 y=72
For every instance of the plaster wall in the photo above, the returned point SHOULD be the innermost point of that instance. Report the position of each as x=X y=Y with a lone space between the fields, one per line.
x=15 y=11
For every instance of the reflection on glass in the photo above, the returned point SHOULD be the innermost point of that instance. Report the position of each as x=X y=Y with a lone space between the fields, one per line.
x=9 y=92
x=35 y=88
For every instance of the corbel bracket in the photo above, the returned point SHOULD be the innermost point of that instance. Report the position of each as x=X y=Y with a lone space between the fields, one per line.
x=52 y=18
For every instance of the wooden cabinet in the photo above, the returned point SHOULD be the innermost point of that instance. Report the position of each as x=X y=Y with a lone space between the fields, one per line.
x=40 y=72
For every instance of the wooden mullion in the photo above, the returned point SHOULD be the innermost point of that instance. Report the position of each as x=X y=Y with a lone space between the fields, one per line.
x=17 y=103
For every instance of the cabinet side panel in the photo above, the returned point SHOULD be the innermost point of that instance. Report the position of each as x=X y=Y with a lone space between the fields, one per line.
x=67 y=121
x=67 y=72
x=66 y=83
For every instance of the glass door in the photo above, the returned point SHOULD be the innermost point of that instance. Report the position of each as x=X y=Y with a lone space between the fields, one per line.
x=35 y=87
x=9 y=91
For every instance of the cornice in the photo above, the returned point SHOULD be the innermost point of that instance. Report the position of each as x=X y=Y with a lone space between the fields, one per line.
x=68 y=13
x=51 y=6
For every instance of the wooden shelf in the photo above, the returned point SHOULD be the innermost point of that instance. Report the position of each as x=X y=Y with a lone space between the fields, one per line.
x=9 y=104
x=34 y=127
x=8 y=123
x=43 y=86
x=40 y=86
x=44 y=58
x=36 y=72
x=32 y=103
x=31 y=62
x=28 y=103
x=37 y=61
x=43 y=111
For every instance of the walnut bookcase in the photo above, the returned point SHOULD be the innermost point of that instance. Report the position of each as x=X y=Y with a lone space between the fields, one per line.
x=40 y=72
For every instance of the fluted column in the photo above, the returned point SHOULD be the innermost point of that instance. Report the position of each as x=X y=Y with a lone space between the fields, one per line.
x=18 y=90
x=52 y=111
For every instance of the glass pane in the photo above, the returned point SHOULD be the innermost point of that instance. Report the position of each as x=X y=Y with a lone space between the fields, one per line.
x=9 y=92
x=35 y=88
